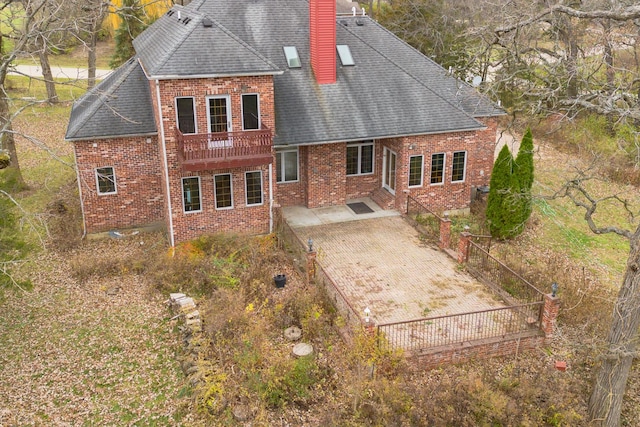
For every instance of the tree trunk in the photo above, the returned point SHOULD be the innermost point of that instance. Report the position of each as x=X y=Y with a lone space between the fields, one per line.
x=91 y=60
x=605 y=404
x=50 y=84
x=7 y=142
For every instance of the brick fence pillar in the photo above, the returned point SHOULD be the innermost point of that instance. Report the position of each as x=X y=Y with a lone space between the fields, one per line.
x=311 y=266
x=445 y=232
x=463 y=247
x=550 y=312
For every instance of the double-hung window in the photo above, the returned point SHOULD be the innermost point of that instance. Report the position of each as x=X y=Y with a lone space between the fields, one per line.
x=223 y=188
x=106 y=180
x=287 y=165
x=360 y=158
x=415 y=171
x=186 y=112
x=191 y=194
x=250 y=111
x=458 y=166
x=437 y=168
x=253 y=187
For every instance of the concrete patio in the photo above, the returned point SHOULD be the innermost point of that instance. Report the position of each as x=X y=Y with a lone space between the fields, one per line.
x=378 y=261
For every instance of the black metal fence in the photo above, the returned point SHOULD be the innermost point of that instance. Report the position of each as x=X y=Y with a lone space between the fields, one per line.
x=512 y=287
x=427 y=221
x=422 y=334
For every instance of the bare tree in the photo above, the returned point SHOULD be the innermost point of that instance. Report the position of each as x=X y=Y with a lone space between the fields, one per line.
x=605 y=404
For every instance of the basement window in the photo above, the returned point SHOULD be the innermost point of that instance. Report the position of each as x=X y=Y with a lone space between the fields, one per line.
x=293 y=60
x=345 y=55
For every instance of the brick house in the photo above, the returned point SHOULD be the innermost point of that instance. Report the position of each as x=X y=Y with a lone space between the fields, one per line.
x=230 y=108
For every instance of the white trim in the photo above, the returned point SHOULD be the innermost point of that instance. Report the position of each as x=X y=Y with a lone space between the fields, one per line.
x=464 y=166
x=172 y=241
x=373 y=157
x=84 y=221
x=385 y=165
x=444 y=168
x=227 y=97
x=281 y=165
x=270 y=197
x=115 y=184
x=215 y=196
x=195 y=117
x=421 y=172
x=184 y=210
x=257 y=95
x=246 y=196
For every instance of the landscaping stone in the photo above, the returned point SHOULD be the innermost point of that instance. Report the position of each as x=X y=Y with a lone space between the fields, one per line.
x=302 y=349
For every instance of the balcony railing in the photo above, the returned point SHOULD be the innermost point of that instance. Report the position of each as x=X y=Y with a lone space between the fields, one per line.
x=206 y=151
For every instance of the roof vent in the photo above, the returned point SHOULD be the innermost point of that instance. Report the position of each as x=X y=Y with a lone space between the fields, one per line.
x=344 y=22
x=186 y=21
x=359 y=22
x=207 y=23
x=170 y=12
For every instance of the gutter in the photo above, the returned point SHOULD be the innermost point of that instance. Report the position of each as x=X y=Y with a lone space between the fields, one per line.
x=166 y=165
x=270 y=198
x=84 y=224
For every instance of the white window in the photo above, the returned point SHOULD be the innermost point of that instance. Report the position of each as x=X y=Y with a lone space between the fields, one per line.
x=253 y=187
x=458 y=166
x=223 y=189
x=287 y=165
x=416 y=164
x=360 y=158
x=191 y=194
x=106 y=180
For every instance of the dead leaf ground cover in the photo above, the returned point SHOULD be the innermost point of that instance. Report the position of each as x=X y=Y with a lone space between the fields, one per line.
x=101 y=350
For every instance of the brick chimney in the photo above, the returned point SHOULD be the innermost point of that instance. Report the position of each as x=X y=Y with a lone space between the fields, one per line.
x=322 y=39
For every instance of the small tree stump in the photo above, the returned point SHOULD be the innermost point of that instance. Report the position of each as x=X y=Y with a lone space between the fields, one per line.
x=293 y=333
x=302 y=349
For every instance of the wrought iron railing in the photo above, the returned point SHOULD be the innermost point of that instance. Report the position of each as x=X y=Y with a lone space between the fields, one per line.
x=427 y=221
x=512 y=287
x=498 y=323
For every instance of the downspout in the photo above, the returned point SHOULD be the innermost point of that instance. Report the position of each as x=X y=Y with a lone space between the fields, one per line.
x=166 y=165
x=270 y=198
x=84 y=224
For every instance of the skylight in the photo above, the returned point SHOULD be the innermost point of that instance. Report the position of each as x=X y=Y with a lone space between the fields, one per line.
x=345 y=55
x=291 y=53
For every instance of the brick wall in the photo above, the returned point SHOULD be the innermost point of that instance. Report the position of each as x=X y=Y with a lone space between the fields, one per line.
x=479 y=146
x=440 y=356
x=323 y=179
x=138 y=199
x=295 y=193
x=241 y=218
x=326 y=175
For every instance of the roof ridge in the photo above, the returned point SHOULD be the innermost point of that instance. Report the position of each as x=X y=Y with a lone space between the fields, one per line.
x=242 y=42
x=404 y=70
x=198 y=19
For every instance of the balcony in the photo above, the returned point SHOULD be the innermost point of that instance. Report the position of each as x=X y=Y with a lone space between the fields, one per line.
x=207 y=151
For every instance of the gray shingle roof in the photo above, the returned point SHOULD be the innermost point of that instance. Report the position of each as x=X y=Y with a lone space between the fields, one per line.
x=392 y=90
x=178 y=45
x=120 y=105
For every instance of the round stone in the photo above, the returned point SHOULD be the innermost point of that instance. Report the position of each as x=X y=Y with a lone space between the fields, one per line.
x=302 y=349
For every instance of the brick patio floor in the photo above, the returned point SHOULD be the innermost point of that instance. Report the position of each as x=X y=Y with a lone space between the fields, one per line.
x=381 y=263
